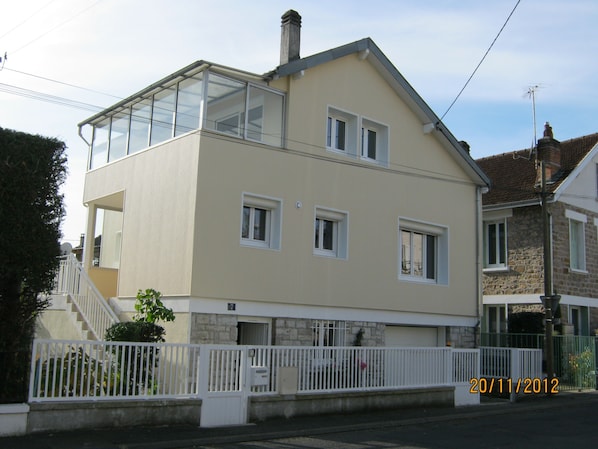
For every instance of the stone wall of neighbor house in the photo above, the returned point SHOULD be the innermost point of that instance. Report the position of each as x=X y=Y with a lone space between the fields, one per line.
x=566 y=281
x=525 y=272
x=462 y=337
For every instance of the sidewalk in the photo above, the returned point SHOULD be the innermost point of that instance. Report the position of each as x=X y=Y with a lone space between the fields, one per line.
x=189 y=436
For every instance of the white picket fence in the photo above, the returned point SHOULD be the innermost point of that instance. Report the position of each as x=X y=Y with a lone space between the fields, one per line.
x=84 y=370
x=65 y=370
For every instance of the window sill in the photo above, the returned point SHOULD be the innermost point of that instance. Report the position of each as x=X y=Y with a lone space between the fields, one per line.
x=577 y=271
x=418 y=280
x=496 y=270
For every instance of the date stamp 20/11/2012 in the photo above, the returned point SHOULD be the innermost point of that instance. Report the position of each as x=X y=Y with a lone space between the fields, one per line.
x=525 y=385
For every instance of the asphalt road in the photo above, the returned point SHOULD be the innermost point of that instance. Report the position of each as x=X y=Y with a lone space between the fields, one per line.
x=565 y=421
x=562 y=426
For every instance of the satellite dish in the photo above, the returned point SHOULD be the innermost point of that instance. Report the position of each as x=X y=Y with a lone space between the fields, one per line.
x=65 y=249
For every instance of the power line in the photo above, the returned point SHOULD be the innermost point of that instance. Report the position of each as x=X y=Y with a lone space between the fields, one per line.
x=481 y=61
x=36 y=95
x=63 y=83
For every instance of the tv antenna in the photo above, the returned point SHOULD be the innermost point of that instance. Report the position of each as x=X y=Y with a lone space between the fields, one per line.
x=531 y=93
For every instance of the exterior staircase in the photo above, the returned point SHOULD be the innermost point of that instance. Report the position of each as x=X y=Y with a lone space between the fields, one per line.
x=89 y=310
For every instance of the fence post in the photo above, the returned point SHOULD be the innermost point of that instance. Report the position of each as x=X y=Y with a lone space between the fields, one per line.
x=515 y=372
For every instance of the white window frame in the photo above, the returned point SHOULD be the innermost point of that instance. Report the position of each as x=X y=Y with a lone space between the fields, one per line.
x=577 y=241
x=340 y=220
x=501 y=321
x=329 y=333
x=273 y=208
x=351 y=121
x=441 y=235
x=496 y=217
x=381 y=131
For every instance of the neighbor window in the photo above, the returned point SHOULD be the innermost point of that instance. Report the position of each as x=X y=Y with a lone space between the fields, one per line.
x=577 y=240
x=260 y=221
x=330 y=233
x=495 y=244
x=423 y=254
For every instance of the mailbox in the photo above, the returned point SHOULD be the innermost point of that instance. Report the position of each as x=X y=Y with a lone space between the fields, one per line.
x=260 y=375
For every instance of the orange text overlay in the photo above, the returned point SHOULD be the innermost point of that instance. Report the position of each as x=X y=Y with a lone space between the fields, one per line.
x=525 y=385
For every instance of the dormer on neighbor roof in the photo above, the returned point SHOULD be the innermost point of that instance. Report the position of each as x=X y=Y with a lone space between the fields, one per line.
x=549 y=152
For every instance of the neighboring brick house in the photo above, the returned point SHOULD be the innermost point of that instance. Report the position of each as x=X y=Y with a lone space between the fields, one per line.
x=513 y=267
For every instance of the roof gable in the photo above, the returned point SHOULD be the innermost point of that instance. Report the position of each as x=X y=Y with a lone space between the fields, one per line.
x=368 y=50
x=513 y=175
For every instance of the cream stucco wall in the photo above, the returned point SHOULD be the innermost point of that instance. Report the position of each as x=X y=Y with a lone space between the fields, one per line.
x=183 y=202
x=158 y=214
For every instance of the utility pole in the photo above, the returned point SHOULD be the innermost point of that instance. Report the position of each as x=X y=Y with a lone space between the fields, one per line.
x=549 y=300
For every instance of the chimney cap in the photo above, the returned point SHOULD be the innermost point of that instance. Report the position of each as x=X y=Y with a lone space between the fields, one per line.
x=548 y=131
x=291 y=16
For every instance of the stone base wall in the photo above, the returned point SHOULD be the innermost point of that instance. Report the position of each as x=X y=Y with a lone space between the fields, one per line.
x=462 y=337
x=213 y=329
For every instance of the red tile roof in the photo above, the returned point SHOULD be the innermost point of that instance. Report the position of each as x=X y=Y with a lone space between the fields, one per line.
x=513 y=174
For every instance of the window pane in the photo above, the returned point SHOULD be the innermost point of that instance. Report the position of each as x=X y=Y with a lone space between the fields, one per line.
x=371 y=150
x=502 y=250
x=418 y=254
x=99 y=151
x=163 y=115
x=188 y=104
x=118 y=136
x=265 y=118
x=492 y=244
x=329 y=132
x=226 y=105
x=405 y=252
x=259 y=224
x=328 y=235
x=140 y=125
x=245 y=226
x=492 y=321
x=430 y=257
x=340 y=135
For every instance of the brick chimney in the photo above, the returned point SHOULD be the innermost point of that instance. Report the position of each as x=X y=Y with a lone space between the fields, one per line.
x=549 y=151
x=290 y=38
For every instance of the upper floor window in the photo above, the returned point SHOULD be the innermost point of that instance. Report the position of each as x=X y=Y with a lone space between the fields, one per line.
x=495 y=244
x=330 y=233
x=577 y=240
x=423 y=254
x=341 y=135
x=261 y=221
x=341 y=131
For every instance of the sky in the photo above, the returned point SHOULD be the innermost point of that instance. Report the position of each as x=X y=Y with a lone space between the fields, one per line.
x=68 y=59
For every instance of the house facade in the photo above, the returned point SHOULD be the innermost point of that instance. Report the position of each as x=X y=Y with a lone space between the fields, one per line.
x=303 y=206
x=513 y=274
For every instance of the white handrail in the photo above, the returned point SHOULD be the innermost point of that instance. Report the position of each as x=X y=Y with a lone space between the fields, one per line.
x=73 y=280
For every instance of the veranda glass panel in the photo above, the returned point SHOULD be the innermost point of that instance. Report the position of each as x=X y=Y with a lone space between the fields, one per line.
x=119 y=133
x=99 y=149
x=140 y=125
x=188 y=104
x=264 y=122
x=163 y=115
x=226 y=105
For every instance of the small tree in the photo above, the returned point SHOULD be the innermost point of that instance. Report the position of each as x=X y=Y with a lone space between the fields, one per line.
x=32 y=169
x=143 y=328
x=150 y=308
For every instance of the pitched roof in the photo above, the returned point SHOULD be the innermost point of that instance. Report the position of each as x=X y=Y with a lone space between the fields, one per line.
x=368 y=50
x=513 y=175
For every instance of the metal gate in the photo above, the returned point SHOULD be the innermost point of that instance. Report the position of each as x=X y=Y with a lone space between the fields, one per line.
x=223 y=374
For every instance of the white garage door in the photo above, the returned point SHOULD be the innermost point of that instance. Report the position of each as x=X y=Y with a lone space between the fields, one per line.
x=412 y=336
